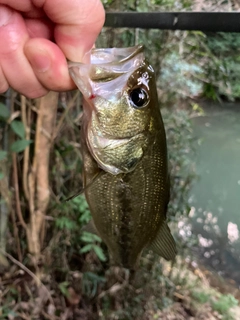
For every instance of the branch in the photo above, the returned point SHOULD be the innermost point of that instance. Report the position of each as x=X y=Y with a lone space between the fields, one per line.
x=25 y=121
x=35 y=278
x=16 y=189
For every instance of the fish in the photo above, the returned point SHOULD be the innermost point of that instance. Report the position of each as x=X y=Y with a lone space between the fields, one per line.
x=124 y=150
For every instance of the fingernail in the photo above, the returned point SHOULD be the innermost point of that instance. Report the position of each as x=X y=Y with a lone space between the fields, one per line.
x=5 y=14
x=40 y=62
x=80 y=55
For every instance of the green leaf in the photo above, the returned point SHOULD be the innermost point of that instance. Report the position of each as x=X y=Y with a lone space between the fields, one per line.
x=4 y=112
x=99 y=252
x=63 y=286
x=1 y=175
x=3 y=154
x=65 y=223
x=93 y=276
x=18 y=128
x=85 y=216
x=86 y=248
x=20 y=145
x=90 y=237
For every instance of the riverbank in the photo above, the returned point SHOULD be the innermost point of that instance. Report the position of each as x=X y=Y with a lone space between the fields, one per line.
x=200 y=295
x=181 y=291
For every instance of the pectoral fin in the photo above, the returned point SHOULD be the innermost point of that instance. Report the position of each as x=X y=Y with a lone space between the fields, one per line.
x=163 y=244
x=98 y=174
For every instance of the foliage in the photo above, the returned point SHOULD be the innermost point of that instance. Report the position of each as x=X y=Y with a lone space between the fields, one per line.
x=224 y=303
x=180 y=147
x=201 y=296
x=10 y=126
x=63 y=286
x=152 y=5
x=91 y=239
x=3 y=154
x=20 y=145
x=90 y=283
x=4 y=112
x=223 y=71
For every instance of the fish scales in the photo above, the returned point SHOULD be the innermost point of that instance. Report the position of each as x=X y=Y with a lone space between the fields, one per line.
x=124 y=154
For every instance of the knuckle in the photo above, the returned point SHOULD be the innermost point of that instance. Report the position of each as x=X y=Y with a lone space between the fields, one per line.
x=35 y=93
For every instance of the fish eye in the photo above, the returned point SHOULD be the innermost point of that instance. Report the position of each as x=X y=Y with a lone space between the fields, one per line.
x=138 y=98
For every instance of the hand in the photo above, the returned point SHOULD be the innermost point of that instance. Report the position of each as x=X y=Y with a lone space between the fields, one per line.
x=36 y=37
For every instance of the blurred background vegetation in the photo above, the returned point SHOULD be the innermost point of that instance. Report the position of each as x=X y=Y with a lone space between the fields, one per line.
x=51 y=268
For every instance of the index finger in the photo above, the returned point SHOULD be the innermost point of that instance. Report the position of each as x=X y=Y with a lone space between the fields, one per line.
x=78 y=23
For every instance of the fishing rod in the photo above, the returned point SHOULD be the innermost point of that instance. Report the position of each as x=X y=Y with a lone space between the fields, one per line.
x=202 y=21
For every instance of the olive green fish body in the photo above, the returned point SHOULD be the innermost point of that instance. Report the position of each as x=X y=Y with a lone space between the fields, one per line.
x=125 y=157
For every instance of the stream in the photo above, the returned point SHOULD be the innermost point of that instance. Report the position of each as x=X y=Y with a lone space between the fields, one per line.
x=215 y=196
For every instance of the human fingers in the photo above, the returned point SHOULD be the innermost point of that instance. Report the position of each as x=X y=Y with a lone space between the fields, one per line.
x=49 y=64
x=78 y=23
x=77 y=26
x=39 y=28
x=74 y=34
x=37 y=23
x=3 y=82
x=15 y=67
x=22 y=5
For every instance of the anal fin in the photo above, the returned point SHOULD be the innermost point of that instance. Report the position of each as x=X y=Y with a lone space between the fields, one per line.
x=163 y=244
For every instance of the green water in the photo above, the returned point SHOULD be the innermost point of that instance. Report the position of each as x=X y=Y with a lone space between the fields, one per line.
x=215 y=196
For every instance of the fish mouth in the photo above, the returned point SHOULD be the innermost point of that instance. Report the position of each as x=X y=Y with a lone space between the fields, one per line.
x=105 y=65
x=114 y=55
x=107 y=56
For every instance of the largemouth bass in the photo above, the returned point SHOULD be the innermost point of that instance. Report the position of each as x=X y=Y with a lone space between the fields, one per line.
x=124 y=152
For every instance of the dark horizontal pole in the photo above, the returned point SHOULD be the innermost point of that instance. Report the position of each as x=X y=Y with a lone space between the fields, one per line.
x=203 y=21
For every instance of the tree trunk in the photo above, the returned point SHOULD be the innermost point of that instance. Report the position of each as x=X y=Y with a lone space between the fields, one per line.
x=38 y=178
